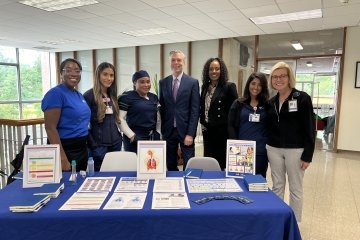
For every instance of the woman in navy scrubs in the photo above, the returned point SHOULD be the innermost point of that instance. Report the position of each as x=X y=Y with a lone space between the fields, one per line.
x=247 y=118
x=104 y=134
x=139 y=112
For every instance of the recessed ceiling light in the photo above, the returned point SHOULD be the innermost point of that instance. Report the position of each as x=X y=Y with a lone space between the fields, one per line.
x=148 y=32
x=309 y=64
x=317 y=13
x=51 y=6
x=297 y=45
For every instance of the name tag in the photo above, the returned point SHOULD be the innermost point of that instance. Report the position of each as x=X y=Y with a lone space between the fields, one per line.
x=109 y=110
x=293 y=105
x=254 y=117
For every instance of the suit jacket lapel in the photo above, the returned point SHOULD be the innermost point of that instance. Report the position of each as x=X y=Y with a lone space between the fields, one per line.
x=216 y=94
x=169 y=87
x=182 y=84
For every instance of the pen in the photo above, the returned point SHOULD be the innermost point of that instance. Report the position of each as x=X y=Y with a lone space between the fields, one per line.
x=188 y=173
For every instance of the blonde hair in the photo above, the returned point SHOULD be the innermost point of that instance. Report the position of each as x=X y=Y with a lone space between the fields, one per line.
x=290 y=73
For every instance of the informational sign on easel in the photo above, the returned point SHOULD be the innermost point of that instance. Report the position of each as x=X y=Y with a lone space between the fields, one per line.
x=151 y=162
x=41 y=165
x=240 y=158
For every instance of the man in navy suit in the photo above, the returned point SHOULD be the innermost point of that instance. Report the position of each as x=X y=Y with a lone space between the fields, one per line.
x=179 y=109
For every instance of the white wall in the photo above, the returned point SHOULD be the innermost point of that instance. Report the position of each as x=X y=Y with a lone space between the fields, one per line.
x=231 y=56
x=349 y=120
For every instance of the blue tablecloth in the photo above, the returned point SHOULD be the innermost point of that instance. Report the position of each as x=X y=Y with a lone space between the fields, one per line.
x=268 y=217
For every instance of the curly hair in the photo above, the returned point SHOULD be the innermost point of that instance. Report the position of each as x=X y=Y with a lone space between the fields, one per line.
x=223 y=73
x=112 y=91
x=263 y=96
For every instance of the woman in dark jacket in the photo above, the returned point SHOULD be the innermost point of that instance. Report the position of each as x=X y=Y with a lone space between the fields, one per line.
x=291 y=141
x=104 y=134
x=217 y=95
x=247 y=118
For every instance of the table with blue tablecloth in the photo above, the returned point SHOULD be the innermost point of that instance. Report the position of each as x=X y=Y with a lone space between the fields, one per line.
x=268 y=217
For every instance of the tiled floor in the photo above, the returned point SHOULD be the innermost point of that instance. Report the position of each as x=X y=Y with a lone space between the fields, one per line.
x=331 y=208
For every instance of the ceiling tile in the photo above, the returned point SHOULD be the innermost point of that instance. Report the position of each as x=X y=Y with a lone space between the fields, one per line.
x=213 y=6
x=180 y=10
x=261 y=11
x=244 y=4
x=299 y=6
x=227 y=15
x=275 y=28
x=163 y=3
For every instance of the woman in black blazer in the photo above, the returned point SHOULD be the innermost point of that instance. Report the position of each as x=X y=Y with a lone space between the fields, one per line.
x=217 y=95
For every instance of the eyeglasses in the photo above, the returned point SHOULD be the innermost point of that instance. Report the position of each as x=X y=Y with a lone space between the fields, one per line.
x=70 y=70
x=281 y=77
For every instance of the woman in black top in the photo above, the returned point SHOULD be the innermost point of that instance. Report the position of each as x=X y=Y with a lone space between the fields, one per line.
x=291 y=139
x=217 y=95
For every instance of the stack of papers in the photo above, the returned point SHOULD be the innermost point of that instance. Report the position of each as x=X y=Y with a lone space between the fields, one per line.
x=169 y=193
x=51 y=189
x=97 y=184
x=30 y=203
x=130 y=193
x=256 y=183
x=132 y=184
x=213 y=185
x=193 y=173
x=85 y=201
x=91 y=194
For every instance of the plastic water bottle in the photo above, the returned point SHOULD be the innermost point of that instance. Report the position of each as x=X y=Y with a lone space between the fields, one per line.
x=73 y=172
x=90 y=165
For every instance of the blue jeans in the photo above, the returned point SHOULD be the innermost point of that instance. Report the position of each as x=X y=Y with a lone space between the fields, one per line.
x=99 y=152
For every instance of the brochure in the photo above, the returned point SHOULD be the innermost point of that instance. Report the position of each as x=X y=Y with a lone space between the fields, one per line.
x=240 y=158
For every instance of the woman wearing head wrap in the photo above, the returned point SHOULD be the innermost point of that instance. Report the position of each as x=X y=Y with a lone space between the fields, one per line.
x=104 y=135
x=139 y=112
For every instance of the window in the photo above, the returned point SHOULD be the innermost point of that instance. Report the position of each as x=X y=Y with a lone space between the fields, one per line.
x=26 y=75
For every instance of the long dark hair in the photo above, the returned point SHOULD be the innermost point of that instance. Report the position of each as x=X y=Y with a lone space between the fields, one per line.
x=263 y=96
x=112 y=91
x=223 y=73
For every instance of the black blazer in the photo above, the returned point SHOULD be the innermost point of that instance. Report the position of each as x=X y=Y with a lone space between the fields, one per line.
x=221 y=101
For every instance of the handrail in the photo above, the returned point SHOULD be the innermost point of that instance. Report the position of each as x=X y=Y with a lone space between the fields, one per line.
x=22 y=122
x=12 y=134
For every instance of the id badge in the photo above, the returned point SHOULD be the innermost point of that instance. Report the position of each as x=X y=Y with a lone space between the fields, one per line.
x=293 y=105
x=108 y=110
x=254 y=117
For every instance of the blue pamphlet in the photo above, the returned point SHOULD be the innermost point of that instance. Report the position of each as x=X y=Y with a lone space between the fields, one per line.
x=51 y=189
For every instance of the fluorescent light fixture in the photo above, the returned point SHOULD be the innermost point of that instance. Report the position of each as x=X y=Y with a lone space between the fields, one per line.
x=317 y=13
x=51 y=6
x=59 y=41
x=148 y=32
x=309 y=64
x=297 y=45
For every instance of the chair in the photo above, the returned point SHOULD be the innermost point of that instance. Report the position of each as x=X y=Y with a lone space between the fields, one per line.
x=119 y=161
x=205 y=163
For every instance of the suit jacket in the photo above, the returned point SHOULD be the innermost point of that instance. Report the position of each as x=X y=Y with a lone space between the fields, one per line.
x=185 y=109
x=220 y=105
